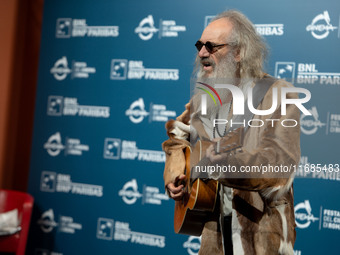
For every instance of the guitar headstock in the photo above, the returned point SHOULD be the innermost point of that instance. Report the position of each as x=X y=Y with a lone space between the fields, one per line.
x=231 y=141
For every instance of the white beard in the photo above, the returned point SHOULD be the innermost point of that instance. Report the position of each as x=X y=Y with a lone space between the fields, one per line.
x=223 y=73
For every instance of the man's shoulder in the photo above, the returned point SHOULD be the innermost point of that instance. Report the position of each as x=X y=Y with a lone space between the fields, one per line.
x=276 y=87
x=281 y=83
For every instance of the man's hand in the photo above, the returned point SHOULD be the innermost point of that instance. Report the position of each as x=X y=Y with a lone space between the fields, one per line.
x=175 y=189
x=211 y=153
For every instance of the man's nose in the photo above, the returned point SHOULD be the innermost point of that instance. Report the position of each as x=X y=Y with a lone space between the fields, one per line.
x=203 y=53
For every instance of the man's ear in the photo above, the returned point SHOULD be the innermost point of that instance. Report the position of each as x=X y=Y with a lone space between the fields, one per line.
x=237 y=55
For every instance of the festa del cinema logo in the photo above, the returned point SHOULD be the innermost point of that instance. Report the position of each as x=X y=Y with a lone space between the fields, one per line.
x=310 y=124
x=157 y=112
x=321 y=26
x=272 y=29
x=68 y=27
x=72 y=146
x=60 y=70
x=238 y=101
x=116 y=149
x=167 y=28
x=65 y=224
x=109 y=229
x=151 y=195
x=122 y=69
x=303 y=215
x=304 y=218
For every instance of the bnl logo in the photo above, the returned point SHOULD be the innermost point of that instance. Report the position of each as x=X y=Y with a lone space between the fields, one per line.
x=118 y=69
x=48 y=181
x=63 y=29
x=55 y=105
x=285 y=70
x=105 y=229
x=112 y=148
x=207 y=20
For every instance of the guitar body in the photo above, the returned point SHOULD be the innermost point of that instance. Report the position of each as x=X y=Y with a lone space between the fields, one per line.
x=200 y=197
x=199 y=201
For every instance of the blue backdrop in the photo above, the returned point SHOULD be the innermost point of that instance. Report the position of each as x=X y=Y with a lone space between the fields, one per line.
x=112 y=73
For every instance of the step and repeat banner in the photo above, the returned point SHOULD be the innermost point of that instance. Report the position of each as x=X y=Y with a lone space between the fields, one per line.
x=112 y=73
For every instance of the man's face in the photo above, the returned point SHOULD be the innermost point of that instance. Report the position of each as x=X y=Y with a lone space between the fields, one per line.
x=216 y=32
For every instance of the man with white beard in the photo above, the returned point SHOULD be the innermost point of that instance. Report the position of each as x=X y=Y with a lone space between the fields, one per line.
x=255 y=214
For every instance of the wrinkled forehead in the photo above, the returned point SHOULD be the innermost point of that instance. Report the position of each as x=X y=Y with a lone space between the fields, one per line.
x=217 y=31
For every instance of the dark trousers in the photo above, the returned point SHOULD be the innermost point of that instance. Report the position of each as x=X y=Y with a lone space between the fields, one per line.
x=227 y=238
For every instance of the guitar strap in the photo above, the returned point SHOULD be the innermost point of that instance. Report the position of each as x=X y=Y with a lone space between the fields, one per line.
x=259 y=91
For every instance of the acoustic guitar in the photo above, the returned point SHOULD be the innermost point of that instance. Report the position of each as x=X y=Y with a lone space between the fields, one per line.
x=200 y=197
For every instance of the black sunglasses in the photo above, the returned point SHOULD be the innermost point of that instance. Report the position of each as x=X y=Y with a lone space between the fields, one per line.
x=209 y=46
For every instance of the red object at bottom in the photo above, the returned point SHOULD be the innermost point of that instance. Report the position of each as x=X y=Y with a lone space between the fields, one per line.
x=10 y=200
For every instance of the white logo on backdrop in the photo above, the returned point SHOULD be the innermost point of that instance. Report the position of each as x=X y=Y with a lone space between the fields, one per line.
x=331 y=219
x=48 y=181
x=125 y=234
x=285 y=70
x=137 y=112
x=53 y=182
x=310 y=124
x=118 y=69
x=112 y=148
x=60 y=69
x=208 y=19
x=46 y=221
x=54 y=145
x=270 y=29
x=151 y=195
x=105 y=229
x=73 y=146
x=146 y=28
x=129 y=192
x=55 y=105
x=262 y=29
x=167 y=28
x=67 y=27
x=122 y=69
x=192 y=245
x=65 y=225
x=69 y=106
x=158 y=112
x=321 y=26
x=307 y=73
x=64 y=28
x=334 y=123
x=303 y=214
